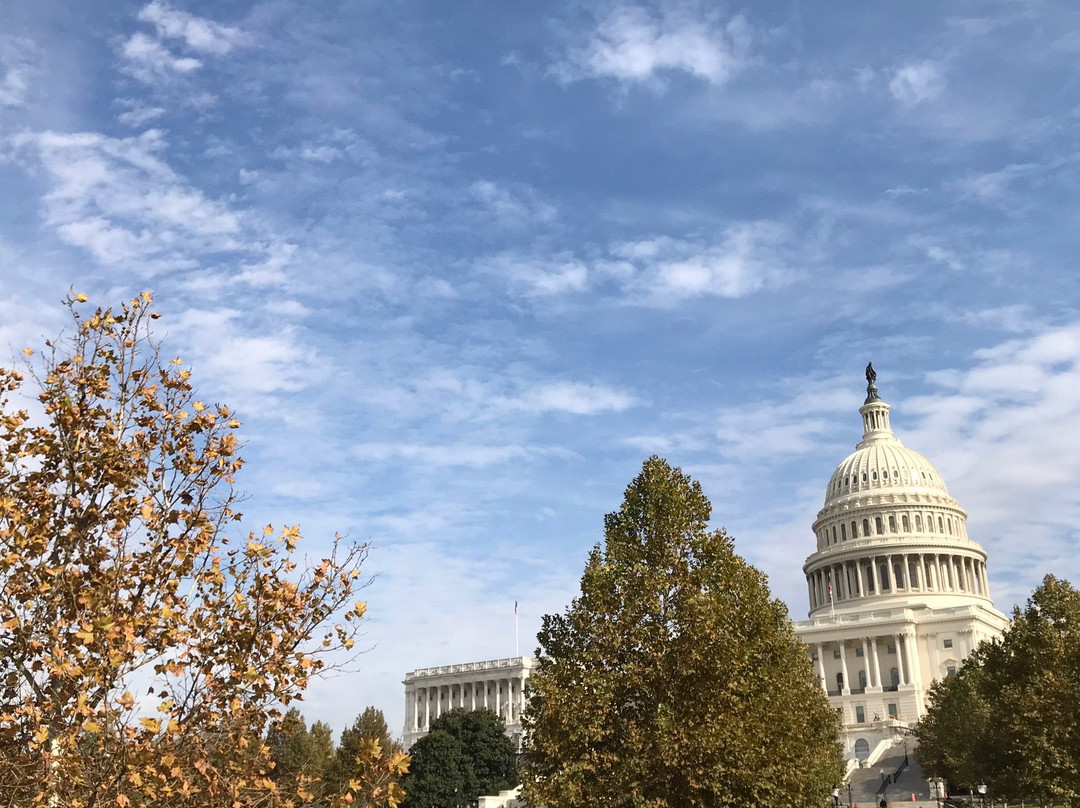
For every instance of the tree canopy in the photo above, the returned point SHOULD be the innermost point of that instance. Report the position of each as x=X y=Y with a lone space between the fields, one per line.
x=1009 y=716
x=350 y=763
x=465 y=755
x=674 y=679
x=144 y=650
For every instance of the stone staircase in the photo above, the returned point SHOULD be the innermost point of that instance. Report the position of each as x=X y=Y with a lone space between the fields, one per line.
x=865 y=784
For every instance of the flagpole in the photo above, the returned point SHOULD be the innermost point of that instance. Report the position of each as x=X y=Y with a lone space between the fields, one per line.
x=517 y=647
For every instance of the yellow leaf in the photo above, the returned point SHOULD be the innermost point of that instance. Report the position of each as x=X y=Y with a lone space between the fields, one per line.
x=151 y=724
x=81 y=297
x=91 y=726
x=41 y=735
x=198 y=406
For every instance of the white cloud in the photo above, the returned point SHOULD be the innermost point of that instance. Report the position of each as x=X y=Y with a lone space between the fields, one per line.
x=917 y=83
x=137 y=115
x=992 y=185
x=576 y=398
x=633 y=45
x=15 y=68
x=446 y=455
x=663 y=271
x=148 y=60
x=198 y=33
x=538 y=277
x=512 y=206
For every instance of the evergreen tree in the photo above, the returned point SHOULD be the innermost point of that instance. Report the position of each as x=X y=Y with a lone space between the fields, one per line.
x=465 y=755
x=349 y=761
x=674 y=679
x=301 y=756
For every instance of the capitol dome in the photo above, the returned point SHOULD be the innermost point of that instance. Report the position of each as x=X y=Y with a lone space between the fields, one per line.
x=889 y=529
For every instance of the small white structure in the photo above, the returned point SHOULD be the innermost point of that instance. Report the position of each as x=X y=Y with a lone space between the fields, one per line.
x=504 y=799
x=899 y=594
x=498 y=684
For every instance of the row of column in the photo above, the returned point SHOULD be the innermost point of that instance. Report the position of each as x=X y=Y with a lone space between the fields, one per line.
x=918 y=572
x=907 y=662
x=431 y=702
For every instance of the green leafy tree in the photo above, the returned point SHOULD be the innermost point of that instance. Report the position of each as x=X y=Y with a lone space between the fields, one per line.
x=1009 y=717
x=465 y=755
x=674 y=679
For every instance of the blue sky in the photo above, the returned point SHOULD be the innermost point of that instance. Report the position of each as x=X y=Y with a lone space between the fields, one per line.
x=462 y=267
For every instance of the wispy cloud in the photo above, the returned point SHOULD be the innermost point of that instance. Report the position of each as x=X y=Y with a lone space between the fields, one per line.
x=633 y=44
x=15 y=69
x=118 y=199
x=917 y=83
x=198 y=33
x=149 y=59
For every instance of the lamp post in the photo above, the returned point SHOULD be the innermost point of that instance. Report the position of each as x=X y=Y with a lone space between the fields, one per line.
x=905 y=751
x=848 y=794
x=836 y=796
x=981 y=788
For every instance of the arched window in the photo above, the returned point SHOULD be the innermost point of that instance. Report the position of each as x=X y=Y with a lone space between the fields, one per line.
x=894 y=674
x=948 y=523
x=898 y=574
x=913 y=573
x=869 y=577
x=918 y=523
x=834 y=534
x=875 y=475
x=877 y=525
x=866 y=527
x=862 y=748
x=940 y=527
x=884 y=578
x=843 y=532
x=862 y=680
x=905 y=523
x=854 y=532
x=840 y=681
x=892 y=524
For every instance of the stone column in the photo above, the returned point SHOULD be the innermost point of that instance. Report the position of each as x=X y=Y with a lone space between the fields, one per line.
x=866 y=662
x=911 y=645
x=900 y=658
x=427 y=709
x=498 y=697
x=889 y=573
x=906 y=570
x=846 y=689
x=877 y=662
x=810 y=593
x=821 y=669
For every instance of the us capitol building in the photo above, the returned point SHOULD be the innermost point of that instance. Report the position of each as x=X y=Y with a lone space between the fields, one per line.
x=899 y=594
x=899 y=597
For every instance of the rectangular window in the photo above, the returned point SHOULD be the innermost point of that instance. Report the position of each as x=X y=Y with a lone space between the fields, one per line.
x=948 y=643
x=892 y=711
x=860 y=715
x=950 y=671
x=836 y=654
x=892 y=649
x=858 y=652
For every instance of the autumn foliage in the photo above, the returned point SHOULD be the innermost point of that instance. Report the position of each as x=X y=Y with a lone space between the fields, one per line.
x=144 y=652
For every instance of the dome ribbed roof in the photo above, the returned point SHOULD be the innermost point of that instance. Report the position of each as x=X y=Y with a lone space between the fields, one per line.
x=881 y=463
x=883 y=466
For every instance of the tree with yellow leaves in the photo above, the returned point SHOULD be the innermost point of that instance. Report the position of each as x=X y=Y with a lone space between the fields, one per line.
x=144 y=651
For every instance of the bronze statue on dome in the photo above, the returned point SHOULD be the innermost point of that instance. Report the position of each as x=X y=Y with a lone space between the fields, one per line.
x=871 y=374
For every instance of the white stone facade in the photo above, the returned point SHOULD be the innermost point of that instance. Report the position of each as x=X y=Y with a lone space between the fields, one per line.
x=899 y=594
x=498 y=684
